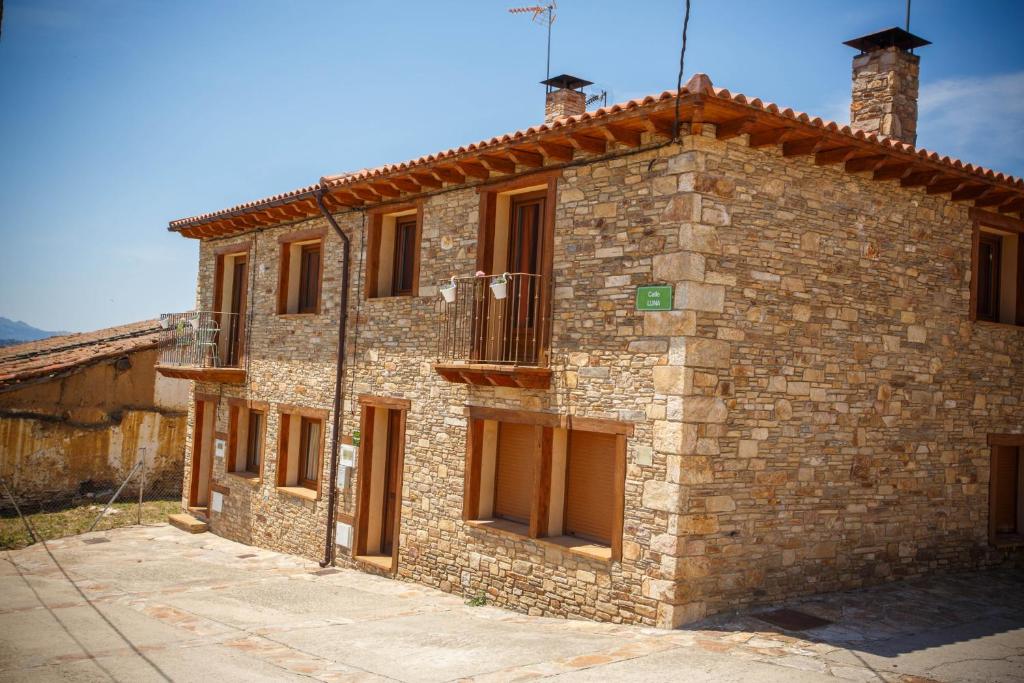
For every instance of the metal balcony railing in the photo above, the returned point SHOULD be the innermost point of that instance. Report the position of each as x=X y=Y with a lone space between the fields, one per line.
x=201 y=339
x=482 y=320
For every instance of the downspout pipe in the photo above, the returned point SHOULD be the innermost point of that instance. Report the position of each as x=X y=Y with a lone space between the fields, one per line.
x=339 y=417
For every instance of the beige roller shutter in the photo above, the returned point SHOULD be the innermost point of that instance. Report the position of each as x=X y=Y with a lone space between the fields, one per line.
x=513 y=489
x=590 y=486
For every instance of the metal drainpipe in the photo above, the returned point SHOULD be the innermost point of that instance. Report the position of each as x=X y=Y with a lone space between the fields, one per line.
x=339 y=418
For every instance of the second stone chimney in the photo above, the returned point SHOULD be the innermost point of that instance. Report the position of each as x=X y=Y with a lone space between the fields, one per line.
x=886 y=75
x=565 y=97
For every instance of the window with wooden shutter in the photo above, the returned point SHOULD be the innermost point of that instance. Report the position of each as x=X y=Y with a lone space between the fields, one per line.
x=989 y=262
x=309 y=279
x=405 y=256
x=392 y=253
x=513 y=476
x=254 y=442
x=590 y=485
x=309 y=453
x=997 y=270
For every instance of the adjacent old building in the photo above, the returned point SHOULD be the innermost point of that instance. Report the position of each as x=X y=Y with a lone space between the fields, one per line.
x=597 y=368
x=78 y=411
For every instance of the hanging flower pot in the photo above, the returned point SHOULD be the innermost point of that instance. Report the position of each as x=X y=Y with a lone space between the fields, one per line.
x=448 y=291
x=499 y=286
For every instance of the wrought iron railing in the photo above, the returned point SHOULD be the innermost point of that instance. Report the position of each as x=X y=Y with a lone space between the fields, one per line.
x=494 y=319
x=202 y=339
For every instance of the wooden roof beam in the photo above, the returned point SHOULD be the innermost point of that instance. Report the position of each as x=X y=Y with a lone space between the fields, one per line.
x=385 y=190
x=996 y=198
x=969 y=192
x=473 y=169
x=497 y=164
x=621 y=134
x=658 y=126
x=919 y=179
x=1014 y=206
x=801 y=146
x=865 y=163
x=366 y=194
x=448 y=174
x=587 y=143
x=836 y=155
x=892 y=171
x=943 y=185
x=769 y=136
x=556 y=152
x=426 y=180
x=526 y=158
x=734 y=127
x=406 y=184
x=343 y=198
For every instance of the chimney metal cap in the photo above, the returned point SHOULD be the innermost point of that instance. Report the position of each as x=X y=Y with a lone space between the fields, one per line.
x=891 y=37
x=567 y=82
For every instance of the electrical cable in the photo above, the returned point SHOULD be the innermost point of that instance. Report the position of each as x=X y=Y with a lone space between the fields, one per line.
x=679 y=78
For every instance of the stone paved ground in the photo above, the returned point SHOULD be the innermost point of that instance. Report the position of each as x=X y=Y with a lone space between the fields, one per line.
x=154 y=603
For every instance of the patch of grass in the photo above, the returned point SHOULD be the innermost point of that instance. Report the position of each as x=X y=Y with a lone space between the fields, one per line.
x=479 y=601
x=76 y=520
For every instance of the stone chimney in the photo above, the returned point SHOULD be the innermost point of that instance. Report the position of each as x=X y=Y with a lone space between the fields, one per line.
x=885 y=84
x=565 y=97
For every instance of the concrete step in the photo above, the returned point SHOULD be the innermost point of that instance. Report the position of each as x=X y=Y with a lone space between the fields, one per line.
x=187 y=523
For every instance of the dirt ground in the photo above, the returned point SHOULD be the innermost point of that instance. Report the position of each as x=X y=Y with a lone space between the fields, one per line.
x=154 y=603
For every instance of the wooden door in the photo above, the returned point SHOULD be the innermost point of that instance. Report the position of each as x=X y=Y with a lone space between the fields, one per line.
x=236 y=321
x=390 y=499
x=202 y=459
x=1005 y=490
x=525 y=258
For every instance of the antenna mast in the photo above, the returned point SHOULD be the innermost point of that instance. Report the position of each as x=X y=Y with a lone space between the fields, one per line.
x=542 y=14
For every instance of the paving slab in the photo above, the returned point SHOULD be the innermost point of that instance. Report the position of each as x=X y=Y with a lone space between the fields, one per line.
x=156 y=603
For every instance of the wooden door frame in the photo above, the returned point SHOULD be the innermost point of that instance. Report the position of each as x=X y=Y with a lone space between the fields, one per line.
x=1012 y=441
x=364 y=472
x=199 y=425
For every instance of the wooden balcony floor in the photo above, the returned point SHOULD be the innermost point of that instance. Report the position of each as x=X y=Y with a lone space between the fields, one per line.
x=490 y=375
x=221 y=375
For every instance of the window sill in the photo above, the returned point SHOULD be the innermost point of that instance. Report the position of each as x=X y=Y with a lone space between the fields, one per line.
x=297 y=315
x=298 y=492
x=993 y=323
x=571 y=544
x=249 y=478
x=390 y=297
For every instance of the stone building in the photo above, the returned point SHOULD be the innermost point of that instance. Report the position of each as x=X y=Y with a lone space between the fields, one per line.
x=594 y=369
x=77 y=411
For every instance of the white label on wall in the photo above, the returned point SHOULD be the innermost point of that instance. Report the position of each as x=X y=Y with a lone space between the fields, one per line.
x=343 y=534
x=219 y=447
x=348 y=455
x=217 y=501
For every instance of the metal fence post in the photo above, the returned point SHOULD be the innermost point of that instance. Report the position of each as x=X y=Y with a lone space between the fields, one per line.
x=142 y=481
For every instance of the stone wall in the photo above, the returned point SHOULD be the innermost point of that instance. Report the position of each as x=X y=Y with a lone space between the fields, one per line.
x=811 y=416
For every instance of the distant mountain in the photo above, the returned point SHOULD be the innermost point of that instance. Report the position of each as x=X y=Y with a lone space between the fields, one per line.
x=15 y=332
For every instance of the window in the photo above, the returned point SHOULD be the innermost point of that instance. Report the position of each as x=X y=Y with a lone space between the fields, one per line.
x=393 y=260
x=1006 y=484
x=246 y=432
x=529 y=474
x=254 y=443
x=997 y=285
x=301 y=273
x=300 y=450
x=309 y=453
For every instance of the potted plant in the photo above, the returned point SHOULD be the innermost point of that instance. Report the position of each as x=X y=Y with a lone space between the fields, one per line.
x=448 y=291
x=499 y=286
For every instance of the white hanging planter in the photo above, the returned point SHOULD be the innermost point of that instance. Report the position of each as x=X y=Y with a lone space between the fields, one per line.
x=448 y=291
x=499 y=286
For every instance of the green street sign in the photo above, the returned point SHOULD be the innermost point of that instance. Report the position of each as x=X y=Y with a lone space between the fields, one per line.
x=654 y=298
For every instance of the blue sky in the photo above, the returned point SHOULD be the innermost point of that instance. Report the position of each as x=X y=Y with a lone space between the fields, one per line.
x=120 y=115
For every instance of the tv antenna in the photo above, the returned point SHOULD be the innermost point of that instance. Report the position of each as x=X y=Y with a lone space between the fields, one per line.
x=544 y=15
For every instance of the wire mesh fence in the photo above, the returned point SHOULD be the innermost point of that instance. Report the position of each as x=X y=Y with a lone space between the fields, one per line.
x=144 y=494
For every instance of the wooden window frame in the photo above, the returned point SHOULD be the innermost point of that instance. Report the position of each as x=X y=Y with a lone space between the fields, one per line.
x=1013 y=441
x=371 y=275
x=486 y=230
x=307 y=238
x=986 y=219
x=286 y=413
x=231 y=462
x=243 y=250
x=545 y=424
x=305 y=426
x=364 y=474
x=259 y=439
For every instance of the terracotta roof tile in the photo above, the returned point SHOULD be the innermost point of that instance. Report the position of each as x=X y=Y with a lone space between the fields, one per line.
x=56 y=355
x=698 y=84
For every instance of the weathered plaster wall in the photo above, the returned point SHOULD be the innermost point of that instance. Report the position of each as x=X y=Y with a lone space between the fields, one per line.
x=86 y=430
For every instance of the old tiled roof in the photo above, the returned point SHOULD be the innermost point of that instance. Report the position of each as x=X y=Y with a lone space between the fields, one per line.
x=65 y=353
x=702 y=102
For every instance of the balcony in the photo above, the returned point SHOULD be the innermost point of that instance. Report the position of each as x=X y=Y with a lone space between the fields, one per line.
x=207 y=346
x=495 y=334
